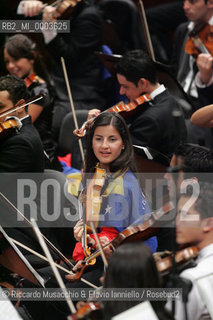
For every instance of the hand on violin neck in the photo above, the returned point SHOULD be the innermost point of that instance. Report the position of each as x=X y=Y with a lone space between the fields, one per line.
x=78 y=230
x=32 y=8
x=204 y=64
x=50 y=14
x=93 y=113
x=90 y=241
x=71 y=276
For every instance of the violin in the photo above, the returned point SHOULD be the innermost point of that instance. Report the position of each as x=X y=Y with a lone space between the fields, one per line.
x=200 y=40
x=93 y=206
x=65 y=8
x=86 y=311
x=7 y=126
x=164 y=260
x=142 y=231
x=118 y=108
x=30 y=79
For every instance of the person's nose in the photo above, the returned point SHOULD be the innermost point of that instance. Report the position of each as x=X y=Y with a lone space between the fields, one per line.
x=186 y=5
x=105 y=144
x=122 y=91
x=10 y=65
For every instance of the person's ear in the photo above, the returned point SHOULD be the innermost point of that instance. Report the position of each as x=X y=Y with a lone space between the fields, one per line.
x=208 y=226
x=18 y=104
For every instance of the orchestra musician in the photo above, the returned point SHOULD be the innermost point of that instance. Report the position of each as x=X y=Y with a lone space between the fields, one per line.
x=22 y=59
x=196 y=12
x=21 y=150
x=155 y=124
x=77 y=48
x=123 y=202
x=194 y=226
x=132 y=266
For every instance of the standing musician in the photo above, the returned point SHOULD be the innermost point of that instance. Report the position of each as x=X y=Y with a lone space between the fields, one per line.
x=77 y=48
x=109 y=144
x=155 y=124
x=197 y=12
x=21 y=149
x=23 y=60
x=194 y=226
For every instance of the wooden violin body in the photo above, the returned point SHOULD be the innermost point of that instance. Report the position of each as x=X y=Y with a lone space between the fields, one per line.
x=120 y=107
x=181 y=257
x=65 y=8
x=7 y=126
x=200 y=40
x=88 y=309
x=139 y=232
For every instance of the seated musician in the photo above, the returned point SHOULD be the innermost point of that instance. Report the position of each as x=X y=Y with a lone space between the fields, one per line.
x=123 y=203
x=109 y=144
x=132 y=266
x=154 y=124
x=21 y=150
x=194 y=226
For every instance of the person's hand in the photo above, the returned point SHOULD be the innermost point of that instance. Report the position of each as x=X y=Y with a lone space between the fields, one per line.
x=204 y=64
x=78 y=230
x=107 y=251
x=71 y=275
x=93 y=113
x=32 y=8
x=50 y=14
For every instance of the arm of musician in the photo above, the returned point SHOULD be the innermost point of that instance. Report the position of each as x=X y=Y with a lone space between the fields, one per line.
x=29 y=8
x=203 y=117
x=49 y=15
x=205 y=74
x=93 y=113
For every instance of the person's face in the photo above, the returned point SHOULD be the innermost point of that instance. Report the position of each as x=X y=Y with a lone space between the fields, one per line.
x=107 y=145
x=5 y=103
x=129 y=89
x=189 y=226
x=196 y=10
x=20 y=68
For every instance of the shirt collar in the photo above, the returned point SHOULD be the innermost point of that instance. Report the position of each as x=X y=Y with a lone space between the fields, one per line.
x=157 y=91
x=192 y=24
x=208 y=250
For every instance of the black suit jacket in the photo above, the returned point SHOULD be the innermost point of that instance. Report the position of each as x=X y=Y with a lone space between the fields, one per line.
x=22 y=151
x=157 y=126
x=77 y=47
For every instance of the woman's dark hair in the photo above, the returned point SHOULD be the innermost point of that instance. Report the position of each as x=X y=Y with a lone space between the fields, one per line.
x=132 y=266
x=20 y=46
x=126 y=158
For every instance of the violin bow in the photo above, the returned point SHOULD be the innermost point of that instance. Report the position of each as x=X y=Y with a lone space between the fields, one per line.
x=52 y=264
x=36 y=98
x=99 y=245
x=72 y=105
x=59 y=254
x=146 y=30
x=49 y=243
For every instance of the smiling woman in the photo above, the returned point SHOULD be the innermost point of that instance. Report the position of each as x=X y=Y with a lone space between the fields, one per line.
x=23 y=60
x=109 y=146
